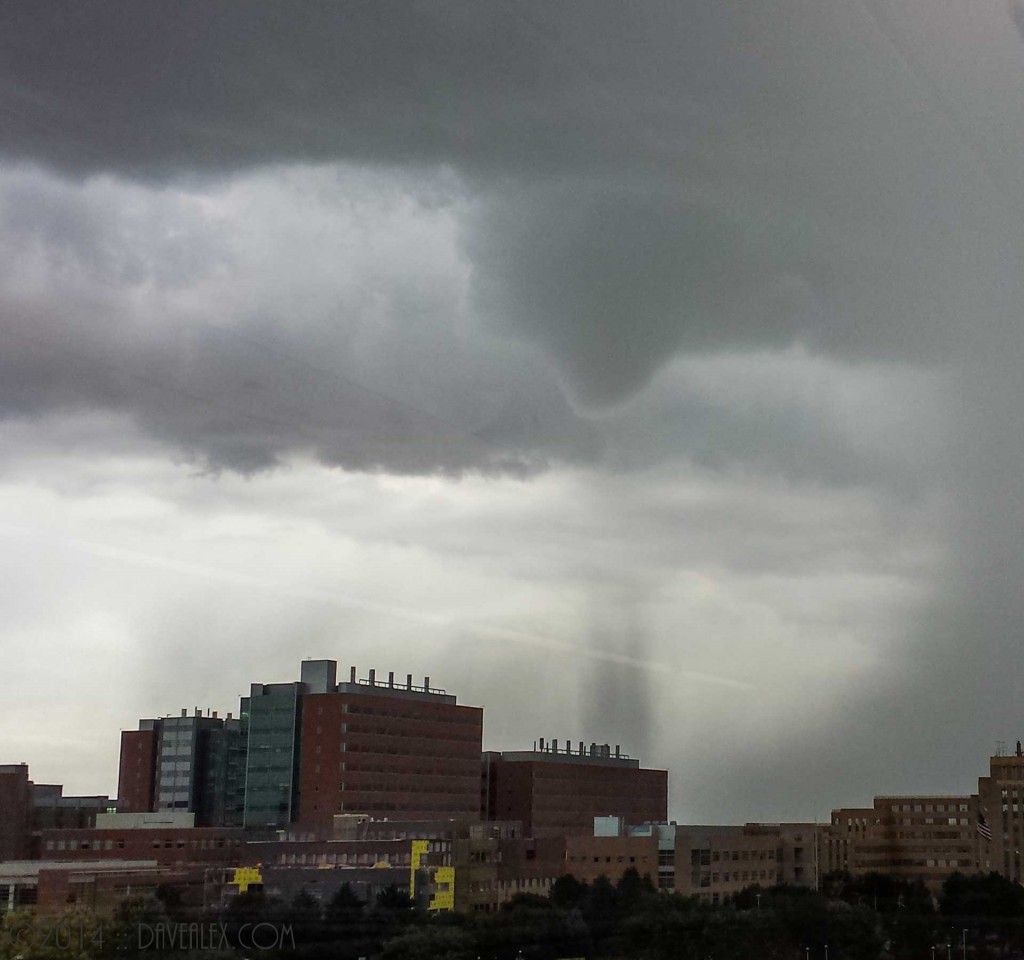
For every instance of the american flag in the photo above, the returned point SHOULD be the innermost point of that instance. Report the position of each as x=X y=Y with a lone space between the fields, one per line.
x=983 y=830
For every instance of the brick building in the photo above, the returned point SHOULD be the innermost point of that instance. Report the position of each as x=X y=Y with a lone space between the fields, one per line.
x=557 y=792
x=162 y=845
x=27 y=809
x=397 y=751
x=16 y=807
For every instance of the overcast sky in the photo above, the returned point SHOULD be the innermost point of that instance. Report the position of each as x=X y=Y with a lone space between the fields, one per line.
x=646 y=373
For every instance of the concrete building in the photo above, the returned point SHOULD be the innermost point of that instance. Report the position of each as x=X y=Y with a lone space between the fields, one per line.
x=716 y=862
x=848 y=829
x=1000 y=814
x=923 y=838
x=557 y=791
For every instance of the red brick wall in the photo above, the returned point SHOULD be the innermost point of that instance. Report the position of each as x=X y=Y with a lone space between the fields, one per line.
x=588 y=858
x=397 y=758
x=137 y=771
x=15 y=814
x=195 y=845
x=563 y=798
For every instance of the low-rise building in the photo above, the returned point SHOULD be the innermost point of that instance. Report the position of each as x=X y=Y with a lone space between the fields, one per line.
x=557 y=792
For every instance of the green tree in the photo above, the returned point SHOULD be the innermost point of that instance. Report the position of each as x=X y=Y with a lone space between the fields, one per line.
x=567 y=891
x=431 y=943
x=345 y=907
x=984 y=895
x=393 y=900
x=70 y=935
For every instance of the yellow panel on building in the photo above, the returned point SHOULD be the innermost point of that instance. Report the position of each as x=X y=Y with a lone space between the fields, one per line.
x=244 y=876
x=443 y=900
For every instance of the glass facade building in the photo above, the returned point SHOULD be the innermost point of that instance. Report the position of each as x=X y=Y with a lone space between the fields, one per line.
x=272 y=714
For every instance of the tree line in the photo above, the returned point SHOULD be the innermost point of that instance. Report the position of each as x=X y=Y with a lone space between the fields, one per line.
x=872 y=917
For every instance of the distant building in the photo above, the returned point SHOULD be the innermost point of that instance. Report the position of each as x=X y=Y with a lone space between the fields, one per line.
x=388 y=749
x=16 y=804
x=27 y=809
x=717 y=862
x=924 y=838
x=318 y=748
x=272 y=714
x=1000 y=814
x=848 y=830
x=559 y=792
x=190 y=763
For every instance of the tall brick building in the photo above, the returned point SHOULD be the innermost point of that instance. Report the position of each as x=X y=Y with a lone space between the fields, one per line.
x=556 y=793
x=391 y=750
x=15 y=811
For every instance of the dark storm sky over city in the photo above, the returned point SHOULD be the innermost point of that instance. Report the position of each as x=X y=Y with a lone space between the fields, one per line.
x=645 y=373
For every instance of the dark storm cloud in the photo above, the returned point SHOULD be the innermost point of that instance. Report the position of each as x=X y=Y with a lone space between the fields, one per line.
x=614 y=278
x=659 y=178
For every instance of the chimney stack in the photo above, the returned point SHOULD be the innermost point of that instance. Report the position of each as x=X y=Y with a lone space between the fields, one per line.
x=373 y=676
x=352 y=675
x=391 y=678
x=408 y=681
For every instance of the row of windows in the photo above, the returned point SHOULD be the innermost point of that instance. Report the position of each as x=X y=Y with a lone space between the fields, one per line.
x=744 y=876
x=403 y=786
x=408 y=713
x=399 y=733
x=406 y=770
x=705 y=857
x=582 y=858
x=419 y=805
x=524 y=883
x=930 y=807
x=421 y=750
x=371 y=859
x=211 y=844
x=84 y=845
x=947 y=821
